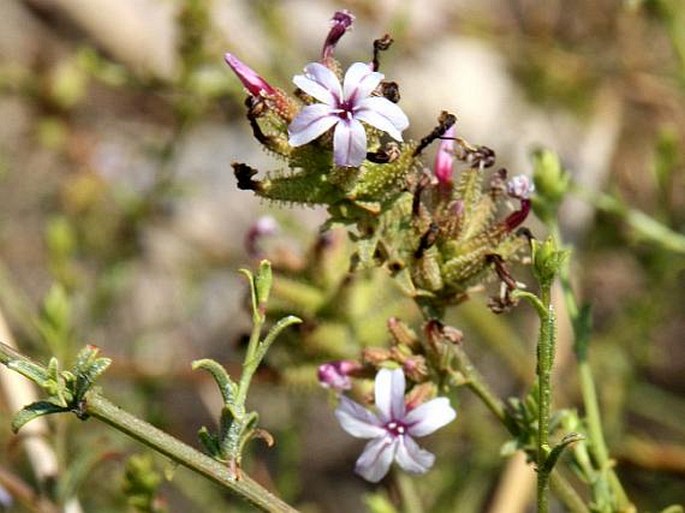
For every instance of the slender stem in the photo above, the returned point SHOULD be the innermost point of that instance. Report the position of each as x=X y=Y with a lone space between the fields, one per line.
x=475 y=381
x=593 y=417
x=411 y=502
x=477 y=384
x=545 y=361
x=102 y=409
x=566 y=494
x=249 y=366
x=644 y=226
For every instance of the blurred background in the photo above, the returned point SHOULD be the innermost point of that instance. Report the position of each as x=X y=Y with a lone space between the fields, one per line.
x=121 y=226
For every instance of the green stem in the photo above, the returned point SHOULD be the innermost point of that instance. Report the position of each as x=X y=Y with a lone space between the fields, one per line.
x=411 y=502
x=593 y=418
x=566 y=494
x=475 y=381
x=249 y=365
x=545 y=361
x=477 y=384
x=102 y=409
x=643 y=225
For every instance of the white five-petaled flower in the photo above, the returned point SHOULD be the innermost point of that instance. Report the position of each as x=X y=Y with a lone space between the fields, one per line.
x=344 y=107
x=392 y=429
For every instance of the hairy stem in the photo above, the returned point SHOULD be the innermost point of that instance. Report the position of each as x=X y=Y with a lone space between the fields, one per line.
x=475 y=381
x=545 y=361
x=99 y=407
x=102 y=409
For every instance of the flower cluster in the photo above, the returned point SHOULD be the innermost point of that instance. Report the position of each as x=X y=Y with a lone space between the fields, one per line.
x=439 y=232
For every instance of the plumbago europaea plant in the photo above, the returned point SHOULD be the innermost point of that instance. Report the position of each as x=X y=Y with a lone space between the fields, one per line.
x=440 y=233
x=440 y=237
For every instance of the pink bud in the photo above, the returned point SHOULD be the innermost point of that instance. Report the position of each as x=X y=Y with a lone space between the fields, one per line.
x=255 y=84
x=335 y=375
x=265 y=226
x=444 y=159
x=341 y=22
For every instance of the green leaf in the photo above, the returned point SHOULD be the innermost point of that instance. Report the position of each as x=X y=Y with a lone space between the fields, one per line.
x=253 y=291
x=33 y=411
x=85 y=380
x=271 y=337
x=226 y=385
x=263 y=282
x=209 y=442
x=558 y=449
x=36 y=373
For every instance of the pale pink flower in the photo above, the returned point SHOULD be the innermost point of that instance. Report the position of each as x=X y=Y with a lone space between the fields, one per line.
x=392 y=429
x=520 y=187
x=344 y=107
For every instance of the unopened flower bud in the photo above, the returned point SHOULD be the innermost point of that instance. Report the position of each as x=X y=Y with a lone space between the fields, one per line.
x=255 y=84
x=401 y=333
x=376 y=355
x=336 y=375
x=415 y=368
x=444 y=158
x=547 y=260
x=439 y=334
x=265 y=226
x=551 y=181
x=420 y=394
x=341 y=22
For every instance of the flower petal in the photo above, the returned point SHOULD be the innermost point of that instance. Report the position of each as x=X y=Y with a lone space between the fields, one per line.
x=319 y=82
x=310 y=123
x=430 y=416
x=412 y=458
x=389 y=390
x=357 y=420
x=376 y=458
x=349 y=143
x=360 y=80
x=382 y=114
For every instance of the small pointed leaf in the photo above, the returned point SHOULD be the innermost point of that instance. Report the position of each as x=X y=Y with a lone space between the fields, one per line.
x=209 y=442
x=271 y=336
x=30 y=370
x=226 y=385
x=33 y=411
x=558 y=449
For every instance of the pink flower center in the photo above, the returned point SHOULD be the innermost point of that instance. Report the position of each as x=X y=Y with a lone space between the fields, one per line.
x=395 y=428
x=346 y=108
